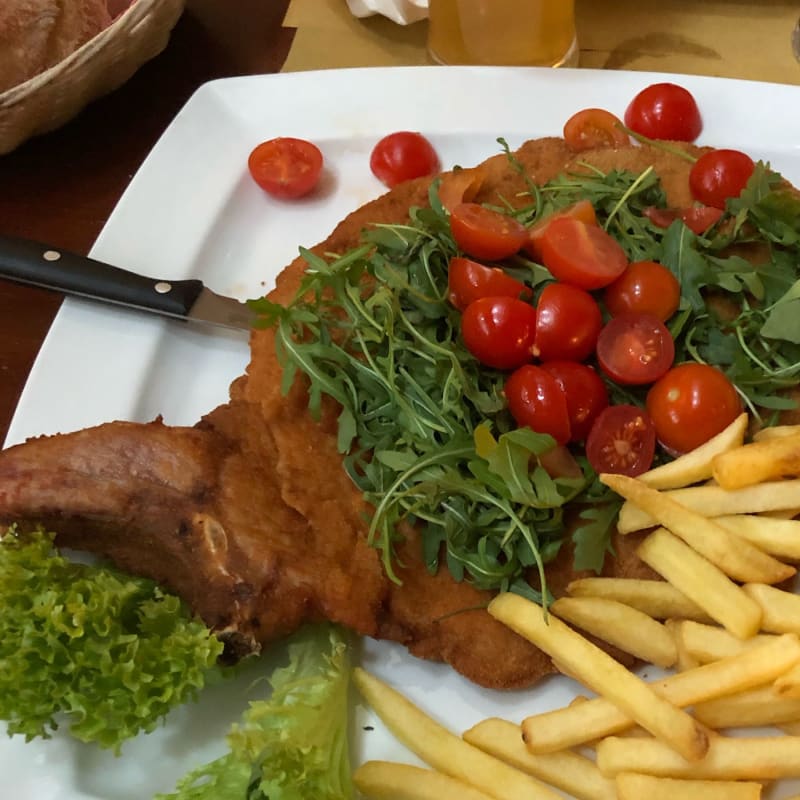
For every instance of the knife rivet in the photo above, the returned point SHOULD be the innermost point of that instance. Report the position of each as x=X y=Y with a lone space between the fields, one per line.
x=162 y=287
x=51 y=255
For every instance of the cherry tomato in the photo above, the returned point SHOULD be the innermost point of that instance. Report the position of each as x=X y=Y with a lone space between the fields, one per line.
x=568 y=322
x=645 y=287
x=484 y=233
x=697 y=219
x=719 y=175
x=664 y=111
x=585 y=392
x=402 y=156
x=634 y=349
x=690 y=404
x=622 y=440
x=594 y=127
x=582 y=210
x=286 y=167
x=468 y=280
x=581 y=254
x=537 y=401
x=499 y=331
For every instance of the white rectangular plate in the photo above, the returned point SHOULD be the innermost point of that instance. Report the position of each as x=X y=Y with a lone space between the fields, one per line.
x=193 y=211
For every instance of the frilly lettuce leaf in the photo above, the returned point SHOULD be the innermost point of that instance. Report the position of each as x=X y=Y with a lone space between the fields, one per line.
x=106 y=653
x=292 y=745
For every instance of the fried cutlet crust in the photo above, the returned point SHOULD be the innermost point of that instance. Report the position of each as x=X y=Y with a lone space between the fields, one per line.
x=249 y=515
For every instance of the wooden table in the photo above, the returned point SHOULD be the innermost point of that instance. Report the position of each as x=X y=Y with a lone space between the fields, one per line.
x=61 y=188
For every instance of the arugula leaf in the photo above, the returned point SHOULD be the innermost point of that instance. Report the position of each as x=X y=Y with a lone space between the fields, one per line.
x=593 y=539
x=110 y=652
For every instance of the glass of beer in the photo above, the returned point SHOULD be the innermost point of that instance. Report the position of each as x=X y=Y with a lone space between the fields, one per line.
x=504 y=32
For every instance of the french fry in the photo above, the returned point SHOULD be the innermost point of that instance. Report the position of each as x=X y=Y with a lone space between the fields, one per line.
x=657 y=599
x=708 y=643
x=685 y=660
x=634 y=786
x=601 y=673
x=780 y=610
x=702 y=582
x=385 y=780
x=734 y=556
x=778 y=537
x=771 y=458
x=714 y=501
x=589 y=720
x=791 y=728
x=753 y=708
x=775 y=432
x=443 y=750
x=782 y=513
x=695 y=466
x=623 y=626
x=575 y=774
x=728 y=758
x=788 y=685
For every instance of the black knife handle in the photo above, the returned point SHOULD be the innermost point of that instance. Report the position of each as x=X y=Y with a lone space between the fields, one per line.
x=40 y=265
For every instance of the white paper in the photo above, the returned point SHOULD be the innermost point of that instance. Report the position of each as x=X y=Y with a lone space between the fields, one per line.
x=403 y=12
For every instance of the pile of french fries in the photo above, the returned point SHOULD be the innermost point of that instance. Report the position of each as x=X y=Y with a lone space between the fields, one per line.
x=718 y=526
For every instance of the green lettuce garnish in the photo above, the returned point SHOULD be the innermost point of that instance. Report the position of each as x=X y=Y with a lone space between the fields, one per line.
x=106 y=653
x=293 y=745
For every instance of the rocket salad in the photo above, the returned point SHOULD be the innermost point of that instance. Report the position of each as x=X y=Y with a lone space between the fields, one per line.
x=425 y=427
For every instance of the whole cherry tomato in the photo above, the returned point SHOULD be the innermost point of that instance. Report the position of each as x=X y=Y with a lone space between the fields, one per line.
x=286 y=168
x=719 y=175
x=664 y=111
x=635 y=349
x=585 y=391
x=568 y=322
x=622 y=440
x=499 y=331
x=536 y=401
x=594 y=127
x=580 y=254
x=697 y=219
x=468 y=281
x=646 y=287
x=484 y=233
x=690 y=404
x=582 y=210
x=402 y=156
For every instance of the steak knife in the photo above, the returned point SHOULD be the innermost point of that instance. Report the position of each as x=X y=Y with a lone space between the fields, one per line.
x=30 y=262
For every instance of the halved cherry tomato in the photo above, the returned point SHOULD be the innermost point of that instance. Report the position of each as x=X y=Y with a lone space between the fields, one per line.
x=585 y=391
x=468 y=281
x=580 y=254
x=622 y=440
x=719 y=175
x=499 y=331
x=697 y=219
x=634 y=349
x=664 y=111
x=286 y=167
x=582 y=210
x=594 y=127
x=484 y=233
x=568 y=322
x=537 y=401
x=646 y=287
x=402 y=156
x=690 y=404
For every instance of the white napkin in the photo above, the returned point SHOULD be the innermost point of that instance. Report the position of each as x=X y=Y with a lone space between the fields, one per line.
x=403 y=12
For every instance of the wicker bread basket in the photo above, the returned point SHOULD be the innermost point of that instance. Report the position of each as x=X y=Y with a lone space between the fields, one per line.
x=53 y=97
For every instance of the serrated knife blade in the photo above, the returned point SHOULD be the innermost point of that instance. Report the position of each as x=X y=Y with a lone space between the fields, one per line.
x=26 y=261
